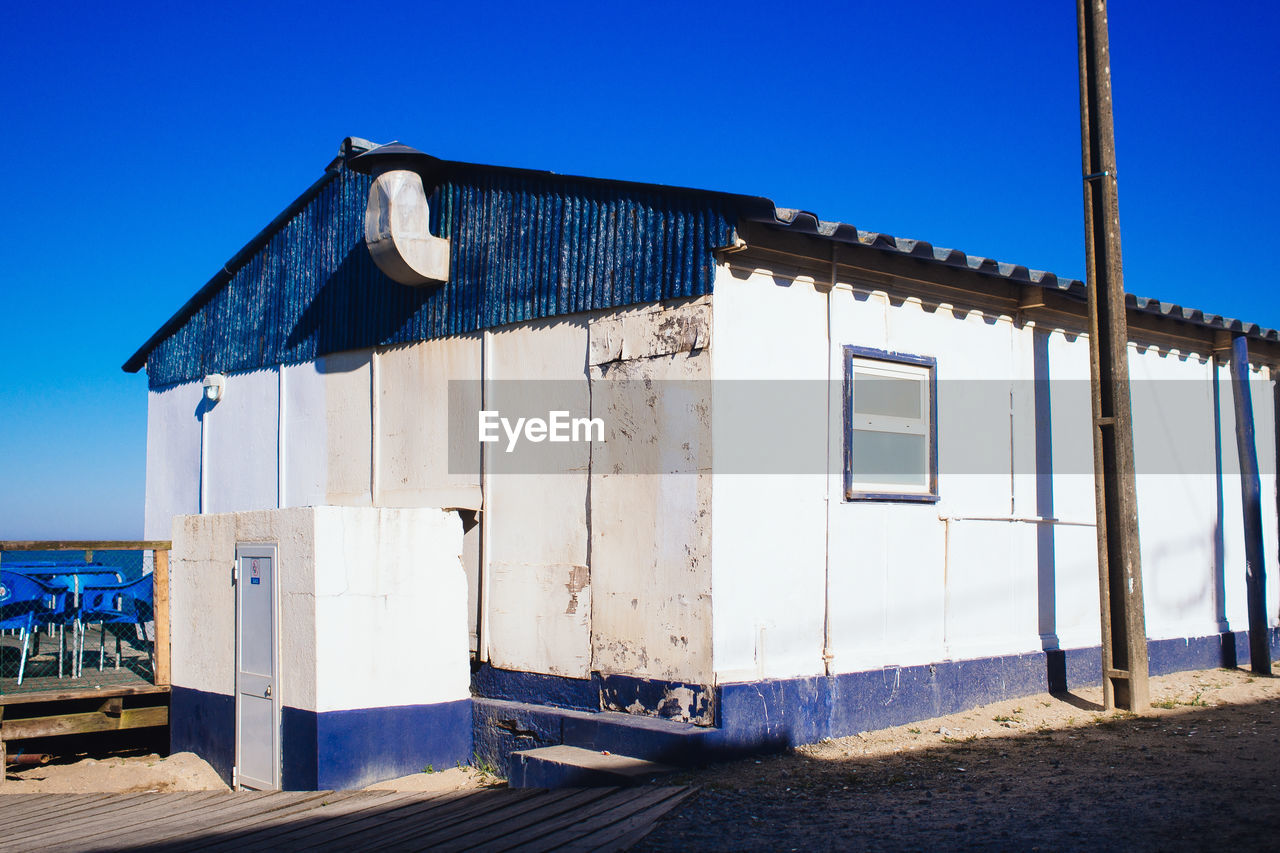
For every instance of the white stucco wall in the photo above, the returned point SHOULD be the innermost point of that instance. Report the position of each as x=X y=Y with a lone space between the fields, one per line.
x=371 y=604
x=540 y=588
x=308 y=435
x=202 y=598
x=173 y=457
x=1006 y=561
x=241 y=453
x=390 y=608
x=650 y=492
x=416 y=407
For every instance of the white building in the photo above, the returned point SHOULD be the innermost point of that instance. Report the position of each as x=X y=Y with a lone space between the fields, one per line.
x=845 y=480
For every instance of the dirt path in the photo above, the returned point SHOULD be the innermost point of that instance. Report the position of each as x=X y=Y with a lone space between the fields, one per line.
x=1044 y=772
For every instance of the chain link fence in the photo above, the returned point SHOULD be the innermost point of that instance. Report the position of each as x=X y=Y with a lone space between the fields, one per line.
x=76 y=619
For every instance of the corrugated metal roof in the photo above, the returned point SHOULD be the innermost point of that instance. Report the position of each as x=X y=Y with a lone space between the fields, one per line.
x=803 y=222
x=524 y=245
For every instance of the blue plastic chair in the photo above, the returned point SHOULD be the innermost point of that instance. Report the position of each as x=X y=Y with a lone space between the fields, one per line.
x=25 y=603
x=130 y=603
x=73 y=577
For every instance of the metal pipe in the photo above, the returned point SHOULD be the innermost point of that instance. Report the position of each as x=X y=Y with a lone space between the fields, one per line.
x=827 y=656
x=1255 y=578
x=203 y=495
x=281 y=470
x=482 y=626
x=375 y=426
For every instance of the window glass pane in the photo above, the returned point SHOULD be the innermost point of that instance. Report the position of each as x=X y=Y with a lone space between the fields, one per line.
x=886 y=395
x=890 y=458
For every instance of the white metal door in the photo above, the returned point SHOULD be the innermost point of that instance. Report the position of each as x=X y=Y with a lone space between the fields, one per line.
x=257 y=696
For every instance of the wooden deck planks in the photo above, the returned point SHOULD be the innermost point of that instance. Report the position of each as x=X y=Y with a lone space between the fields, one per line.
x=108 y=818
x=356 y=825
x=208 y=825
x=472 y=833
x=69 y=813
x=626 y=832
x=462 y=808
x=198 y=832
x=243 y=822
x=601 y=817
x=131 y=824
x=309 y=829
x=14 y=806
x=392 y=824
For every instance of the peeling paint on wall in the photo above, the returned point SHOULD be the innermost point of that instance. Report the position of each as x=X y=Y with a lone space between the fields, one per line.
x=651 y=532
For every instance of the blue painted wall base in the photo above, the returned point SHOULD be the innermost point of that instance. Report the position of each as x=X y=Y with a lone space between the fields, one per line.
x=337 y=750
x=342 y=750
x=775 y=714
x=204 y=723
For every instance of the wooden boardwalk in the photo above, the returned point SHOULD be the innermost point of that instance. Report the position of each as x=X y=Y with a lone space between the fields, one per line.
x=488 y=820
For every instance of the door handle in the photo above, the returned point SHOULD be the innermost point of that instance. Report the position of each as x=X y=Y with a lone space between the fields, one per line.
x=267 y=694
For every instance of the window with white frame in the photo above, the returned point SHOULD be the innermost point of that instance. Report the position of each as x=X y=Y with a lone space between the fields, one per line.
x=891 y=426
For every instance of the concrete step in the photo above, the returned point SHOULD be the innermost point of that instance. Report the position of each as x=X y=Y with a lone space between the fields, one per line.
x=573 y=767
x=503 y=728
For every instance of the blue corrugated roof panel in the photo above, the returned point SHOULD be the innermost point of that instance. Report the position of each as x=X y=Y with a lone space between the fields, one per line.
x=523 y=246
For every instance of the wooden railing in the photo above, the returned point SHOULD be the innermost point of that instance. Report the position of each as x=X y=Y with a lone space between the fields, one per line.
x=159 y=579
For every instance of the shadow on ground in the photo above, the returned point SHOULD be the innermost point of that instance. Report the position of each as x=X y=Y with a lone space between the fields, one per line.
x=1190 y=779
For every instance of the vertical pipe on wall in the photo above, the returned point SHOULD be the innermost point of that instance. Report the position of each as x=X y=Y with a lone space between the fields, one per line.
x=1251 y=496
x=375 y=426
x=827 y=656
x=280 y=470
x=482 y=626
x=204 y=454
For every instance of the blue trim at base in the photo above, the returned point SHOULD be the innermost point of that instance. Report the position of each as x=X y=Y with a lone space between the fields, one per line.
x=776 y=714
x=204 y=723
x=597 y=693
x=623 y=692
x=342 y=750
x=767 y=715
x=558 y=691
x=299 y=752
x=335 y=749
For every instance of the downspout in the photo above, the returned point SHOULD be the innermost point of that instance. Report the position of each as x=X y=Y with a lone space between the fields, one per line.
x=1251 y=495
x=280 y=442
x=482 y=626
x=827 y=656
x=205 y=408
x=375 y=426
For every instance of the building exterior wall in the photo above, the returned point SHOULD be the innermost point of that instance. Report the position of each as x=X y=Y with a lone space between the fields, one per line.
x=536 y=507
x=372 y=679
x=1004 y=563
x=650 y=495
x=310 y=435
x=173 y=457
x=602 y=562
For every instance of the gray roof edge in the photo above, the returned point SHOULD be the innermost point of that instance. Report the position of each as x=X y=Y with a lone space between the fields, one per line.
x=804 y=222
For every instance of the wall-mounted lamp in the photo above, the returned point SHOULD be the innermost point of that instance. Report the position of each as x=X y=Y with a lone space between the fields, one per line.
x=214 y=384
x=396 y=217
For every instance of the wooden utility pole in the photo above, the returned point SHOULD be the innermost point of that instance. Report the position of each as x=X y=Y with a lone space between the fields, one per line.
x=1124 y=630
x=1255 y=576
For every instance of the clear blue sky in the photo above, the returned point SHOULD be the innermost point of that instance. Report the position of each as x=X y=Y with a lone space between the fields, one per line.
x=147 y=143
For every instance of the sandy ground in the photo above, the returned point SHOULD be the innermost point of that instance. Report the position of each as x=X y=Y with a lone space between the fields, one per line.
x=1200 y=771
x=441 y=781
x=182 y=771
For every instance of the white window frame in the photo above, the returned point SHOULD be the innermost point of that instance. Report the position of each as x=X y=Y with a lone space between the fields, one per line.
x=894 y=365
